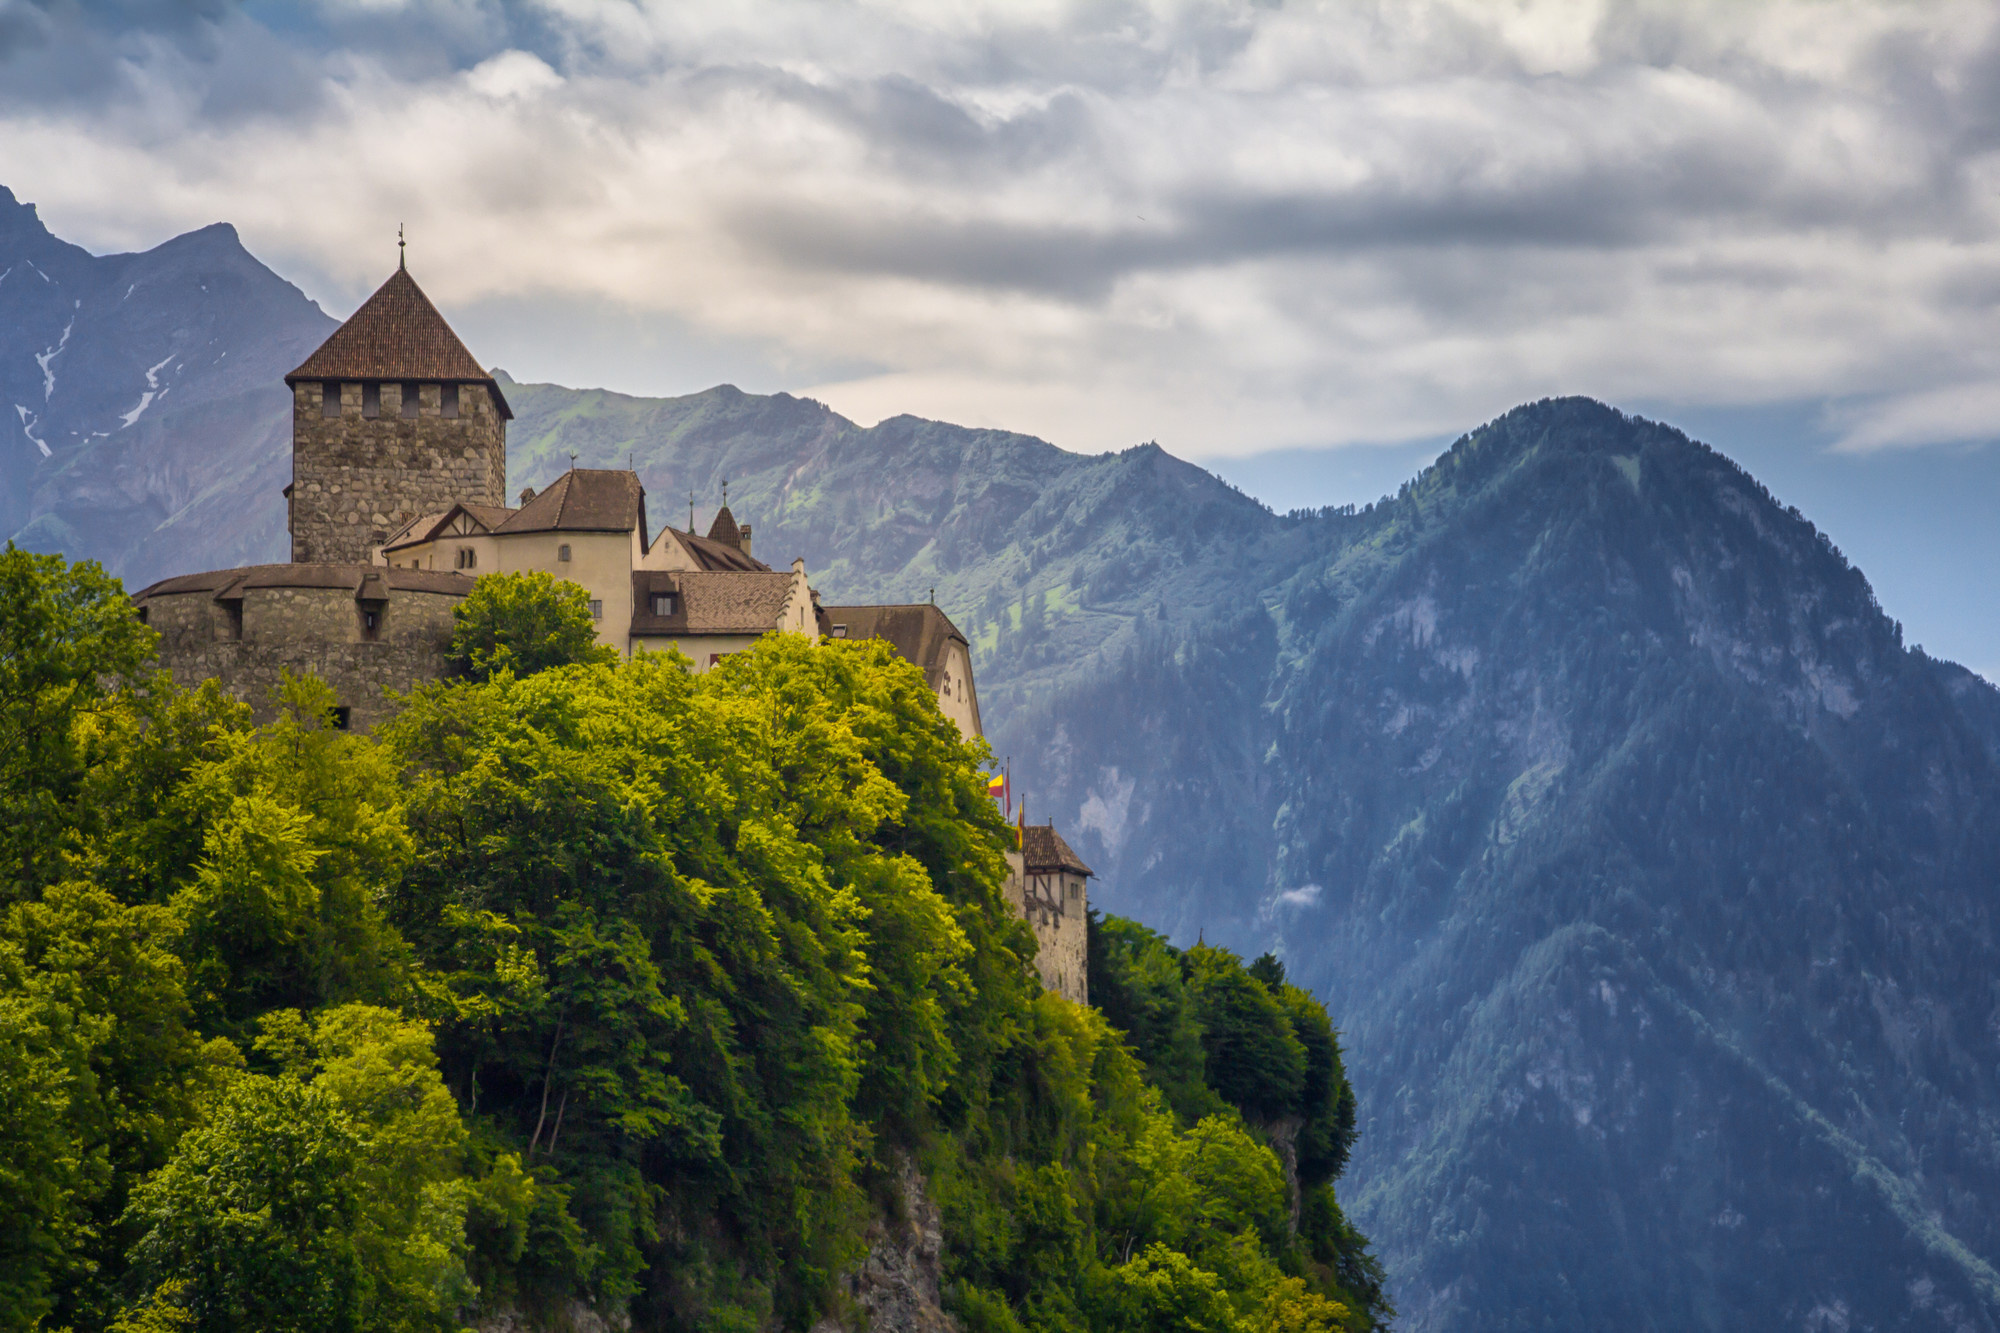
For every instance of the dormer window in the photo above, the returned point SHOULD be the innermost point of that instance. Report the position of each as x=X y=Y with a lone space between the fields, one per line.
x=448 y=400
x=663 y=603
x=840 y=631
x=329 y=398
x=409 y=401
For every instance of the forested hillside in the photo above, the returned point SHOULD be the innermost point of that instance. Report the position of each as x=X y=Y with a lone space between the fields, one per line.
x=607 y=991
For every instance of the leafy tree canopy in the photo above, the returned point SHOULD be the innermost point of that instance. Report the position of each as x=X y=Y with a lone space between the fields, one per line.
x=523 y=623
x=606 y=982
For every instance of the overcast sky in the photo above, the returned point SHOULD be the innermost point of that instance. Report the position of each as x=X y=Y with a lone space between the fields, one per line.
x=1230 y=228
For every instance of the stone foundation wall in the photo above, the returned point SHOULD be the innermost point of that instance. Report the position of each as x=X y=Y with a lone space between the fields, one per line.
x=315 y=631
x=355 y=479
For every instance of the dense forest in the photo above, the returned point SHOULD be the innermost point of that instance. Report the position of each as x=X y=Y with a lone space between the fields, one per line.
x=590 y=986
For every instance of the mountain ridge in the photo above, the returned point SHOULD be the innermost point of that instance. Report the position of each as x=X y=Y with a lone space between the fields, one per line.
x=1649 y=873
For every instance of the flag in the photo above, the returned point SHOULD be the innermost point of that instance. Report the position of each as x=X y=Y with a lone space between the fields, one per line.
x=996 y=787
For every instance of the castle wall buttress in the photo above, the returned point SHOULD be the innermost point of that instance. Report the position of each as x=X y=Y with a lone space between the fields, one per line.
x=357 y=478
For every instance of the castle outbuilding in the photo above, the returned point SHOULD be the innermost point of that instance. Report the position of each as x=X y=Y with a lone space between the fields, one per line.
x=1046 y=882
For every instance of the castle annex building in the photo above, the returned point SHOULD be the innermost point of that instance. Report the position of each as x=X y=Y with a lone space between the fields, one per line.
x=398 y=504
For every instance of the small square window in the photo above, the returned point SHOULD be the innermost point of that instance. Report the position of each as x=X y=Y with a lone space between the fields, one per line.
x=596 y=609
x=840 y=631
x=409 y=400
x=329 y=398
x=448 y=400
x=663 y=603
x=371 y=400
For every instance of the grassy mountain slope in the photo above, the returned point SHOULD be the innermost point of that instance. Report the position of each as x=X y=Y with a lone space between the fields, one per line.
x=1045 y=558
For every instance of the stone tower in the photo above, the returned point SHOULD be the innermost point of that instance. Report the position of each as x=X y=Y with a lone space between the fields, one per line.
x=392 y=418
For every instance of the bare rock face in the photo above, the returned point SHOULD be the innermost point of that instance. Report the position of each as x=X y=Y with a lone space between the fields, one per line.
x=575 y=1318
x=896 y=1288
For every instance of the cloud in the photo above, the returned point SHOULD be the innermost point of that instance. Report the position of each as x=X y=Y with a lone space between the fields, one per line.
x=1231 y=227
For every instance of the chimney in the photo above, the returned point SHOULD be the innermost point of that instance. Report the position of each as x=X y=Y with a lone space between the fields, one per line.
x=744 y=532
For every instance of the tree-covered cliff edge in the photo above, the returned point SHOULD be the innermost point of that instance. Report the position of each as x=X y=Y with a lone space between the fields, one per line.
x=610 y=994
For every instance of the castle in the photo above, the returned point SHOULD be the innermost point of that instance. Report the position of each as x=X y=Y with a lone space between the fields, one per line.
x=398 y=503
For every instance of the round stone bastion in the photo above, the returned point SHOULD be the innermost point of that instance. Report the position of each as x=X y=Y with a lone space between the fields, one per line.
x=363 y=629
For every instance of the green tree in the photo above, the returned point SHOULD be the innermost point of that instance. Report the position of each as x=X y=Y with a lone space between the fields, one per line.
x=98 y=1071
x=523 y=623
x=329 y=1196
x=70 y=642
x=1254 y=1059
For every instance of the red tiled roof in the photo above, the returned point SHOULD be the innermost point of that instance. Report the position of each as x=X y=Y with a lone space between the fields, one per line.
x=397 y=334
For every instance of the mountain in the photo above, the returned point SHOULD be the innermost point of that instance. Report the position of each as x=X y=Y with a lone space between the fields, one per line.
x=143 y=416
x=1650 y=876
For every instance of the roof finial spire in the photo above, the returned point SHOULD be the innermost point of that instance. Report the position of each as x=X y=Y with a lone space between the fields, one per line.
x=402 y=253
x=725 y=492
x=690 y=511
x=572 y=460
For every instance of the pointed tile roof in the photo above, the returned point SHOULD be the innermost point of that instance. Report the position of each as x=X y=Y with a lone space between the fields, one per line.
x=1043 y=850
x=397 y=334
x=724 y=529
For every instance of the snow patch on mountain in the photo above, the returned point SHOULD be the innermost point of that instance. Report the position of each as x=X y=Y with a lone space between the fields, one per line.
x=153 y=390
x=42 y=359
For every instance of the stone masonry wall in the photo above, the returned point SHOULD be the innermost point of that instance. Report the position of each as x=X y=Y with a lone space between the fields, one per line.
x=355 y=479
x=307 y=631
x=1054 y=905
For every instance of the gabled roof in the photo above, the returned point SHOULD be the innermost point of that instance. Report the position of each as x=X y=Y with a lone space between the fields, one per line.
x=1043 y=850
x=920 y=632
x=583 y=500
x=708 y=554
x=426 y=528
x=397 y=334
x=710 y=601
